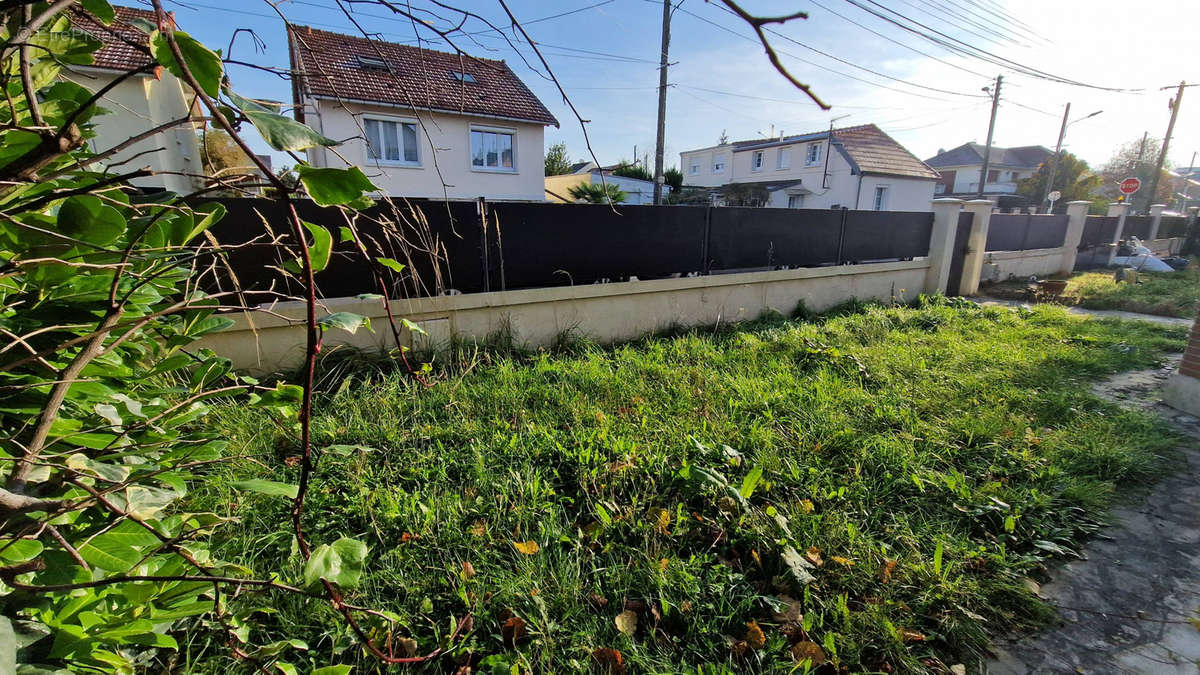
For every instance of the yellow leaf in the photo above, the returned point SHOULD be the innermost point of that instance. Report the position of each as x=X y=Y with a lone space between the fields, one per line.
x=754 y=636
x=479 y=528
x=527 y=547
x=659 y=517
x=843 y=561
x=808 y=651
x=626 y=622
x=662 y=565
x=806 y=505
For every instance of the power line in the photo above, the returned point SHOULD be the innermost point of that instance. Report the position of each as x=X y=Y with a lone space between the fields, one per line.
x=1002 y=15
x=947 y=12
x=971 y=50
x=811 y=63
x=897 y=42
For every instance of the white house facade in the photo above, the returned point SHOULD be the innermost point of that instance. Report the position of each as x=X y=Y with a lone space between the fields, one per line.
x=857 y=167
x=638 y=192
x=420 y=123
x=960 y=168
x=138 y=103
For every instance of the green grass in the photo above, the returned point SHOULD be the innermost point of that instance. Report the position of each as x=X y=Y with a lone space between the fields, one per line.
x=960 y=442
x=1162 y=293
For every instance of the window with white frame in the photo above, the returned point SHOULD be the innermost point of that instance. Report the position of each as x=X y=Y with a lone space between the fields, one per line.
x=756 y=161
x=795 y=201
x=813 y=154
x=694 y=168
x=784 y=159
x=881 y=195
x=719 y=165
x=392 y=141
x=493 y=149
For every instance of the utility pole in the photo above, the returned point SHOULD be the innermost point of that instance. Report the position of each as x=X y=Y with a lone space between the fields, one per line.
x=987 y=149
x=662 y=103
x=1062 y=131
x=1162 y=155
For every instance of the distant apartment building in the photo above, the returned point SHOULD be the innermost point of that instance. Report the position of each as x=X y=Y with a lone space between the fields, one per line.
x=857 y=167
x=960 y=168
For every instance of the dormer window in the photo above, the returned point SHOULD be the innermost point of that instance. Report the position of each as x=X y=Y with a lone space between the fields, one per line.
x=463 y=77
x=372 y=63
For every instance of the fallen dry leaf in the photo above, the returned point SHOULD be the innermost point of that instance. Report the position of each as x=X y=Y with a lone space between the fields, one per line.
x=806 y=505
x=512 y=631
x=662 y=565
x=885 y=570
x=739 y=648
x=792 y=612
x=468 y=570
x=910 y=635
x=843 y=561
x=808 y=651
x=408 y=536
x=608 y=660
x=1033 y=586
x=626 y=622
x=597 y=601
x=408 y=646
x=754 y=636
x=527 y=547
x=813 y=555
x=958 y=669
x=479 y=528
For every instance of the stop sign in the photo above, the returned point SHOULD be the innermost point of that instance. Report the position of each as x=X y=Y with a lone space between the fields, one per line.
x=1130 y=185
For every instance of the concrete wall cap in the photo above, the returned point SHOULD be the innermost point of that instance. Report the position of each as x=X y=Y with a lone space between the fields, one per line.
x=947 y=200
x=1079 y=201
x=979 y=201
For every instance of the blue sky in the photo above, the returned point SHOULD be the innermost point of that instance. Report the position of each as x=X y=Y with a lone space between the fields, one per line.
x=606 y=54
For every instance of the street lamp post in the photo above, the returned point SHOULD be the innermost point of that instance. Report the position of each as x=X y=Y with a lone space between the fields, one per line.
x=1058 y=148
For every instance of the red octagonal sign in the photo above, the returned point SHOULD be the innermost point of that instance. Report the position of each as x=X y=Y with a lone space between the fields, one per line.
x=1130 y=185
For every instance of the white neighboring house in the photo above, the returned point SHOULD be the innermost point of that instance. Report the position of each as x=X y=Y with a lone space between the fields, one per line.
x=857 y=167
x=637 y=191
x=420 y=123
x=960 y=168
x=138 y=104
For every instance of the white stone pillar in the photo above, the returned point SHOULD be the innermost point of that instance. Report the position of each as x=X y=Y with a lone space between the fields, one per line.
x=1183 y=388
x=981 y=211
x=1120 y=211
x=1155 y=213
x=941 y=243
x=1077 y=213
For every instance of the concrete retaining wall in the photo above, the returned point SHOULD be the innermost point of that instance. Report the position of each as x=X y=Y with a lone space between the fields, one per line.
x=259 y=342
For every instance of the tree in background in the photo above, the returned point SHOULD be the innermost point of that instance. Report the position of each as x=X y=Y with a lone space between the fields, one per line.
x=1125 y=163
x=629 y=170
x=594 y=193
x=557 y=160
x=674 y=178
x=221 y=156
x=1073 y=178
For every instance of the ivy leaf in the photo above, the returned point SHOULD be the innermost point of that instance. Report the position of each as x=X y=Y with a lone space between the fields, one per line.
x=281 y=133
x=202 y=62
x=99 y=9
x=415 y=328
x=339 y=563
x=328 y=187
x=268 y=487
x=86 y=218
x=318 y=252
x=345 y=321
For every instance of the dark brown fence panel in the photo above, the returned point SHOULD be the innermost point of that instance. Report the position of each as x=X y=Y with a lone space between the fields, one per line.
x=437 y=242
x=958 y=255
x=1137 y=226
x=885 y=235
x=1172 y=226
x=1098 y=230
x=752 y=238
x=1024 y=232
x=568 y=244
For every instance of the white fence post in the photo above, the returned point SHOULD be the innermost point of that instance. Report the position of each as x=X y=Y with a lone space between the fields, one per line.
x=1155 y=213
x=981 y=210
x=1120 y=211
x=1077 y=213
x=941 y=243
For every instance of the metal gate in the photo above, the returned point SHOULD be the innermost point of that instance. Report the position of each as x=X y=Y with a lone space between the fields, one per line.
x=958 y=253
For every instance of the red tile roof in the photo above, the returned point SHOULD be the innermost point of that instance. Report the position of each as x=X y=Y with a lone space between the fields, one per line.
x=328 y=64
x=876 y=152
x=118 y=52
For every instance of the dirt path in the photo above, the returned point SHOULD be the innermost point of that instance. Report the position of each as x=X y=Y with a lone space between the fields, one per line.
x=1127 y=605
x=1099 y=313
